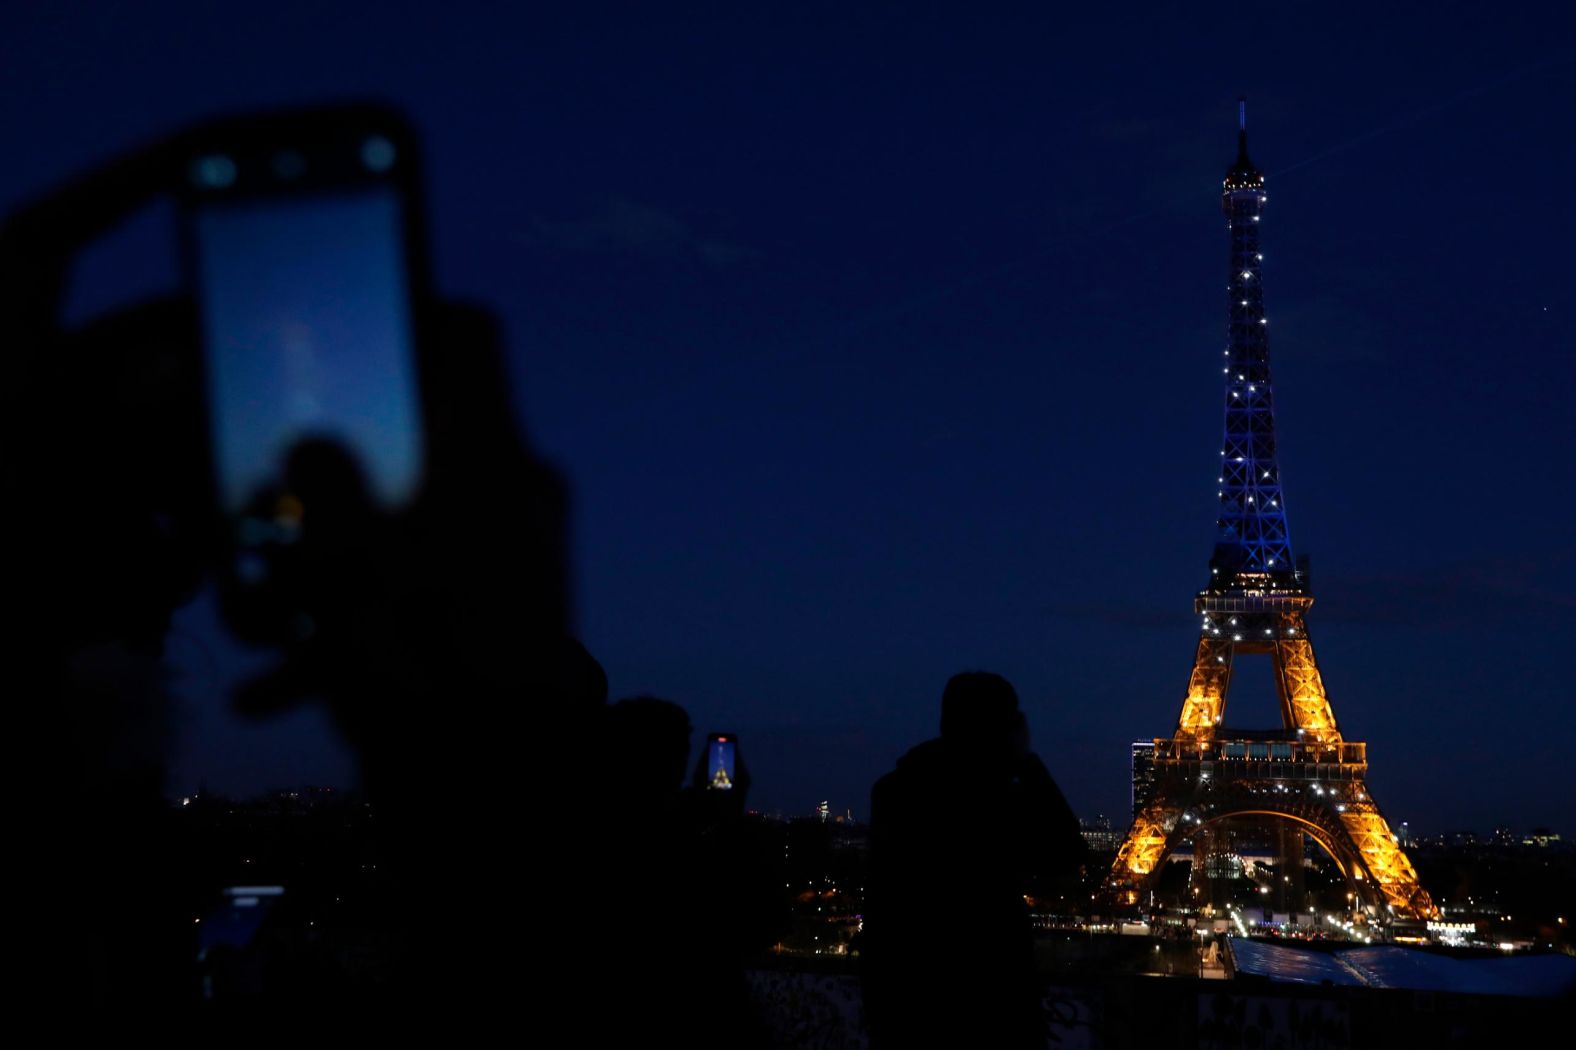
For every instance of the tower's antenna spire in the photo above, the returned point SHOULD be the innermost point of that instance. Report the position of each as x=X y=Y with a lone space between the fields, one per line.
x=1242 y=132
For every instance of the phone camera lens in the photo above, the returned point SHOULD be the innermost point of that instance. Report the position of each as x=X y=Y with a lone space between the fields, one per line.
x=377 y=153
x=215 y=171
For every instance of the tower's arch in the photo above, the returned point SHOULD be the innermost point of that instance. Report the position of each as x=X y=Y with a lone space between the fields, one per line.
x=1332 y=840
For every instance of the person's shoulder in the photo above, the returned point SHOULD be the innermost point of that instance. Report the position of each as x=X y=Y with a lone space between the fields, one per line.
x=923 y=756
x=918 y=762
x=917 y=766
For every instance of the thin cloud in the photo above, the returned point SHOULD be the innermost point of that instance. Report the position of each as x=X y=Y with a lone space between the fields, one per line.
x=1453 y=595
x=624 y=227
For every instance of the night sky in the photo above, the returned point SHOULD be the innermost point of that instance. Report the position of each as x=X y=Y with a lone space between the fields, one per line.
x=879 y=345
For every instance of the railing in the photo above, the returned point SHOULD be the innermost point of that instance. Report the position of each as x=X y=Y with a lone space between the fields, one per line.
x=1251 y=603
x=1267 y=759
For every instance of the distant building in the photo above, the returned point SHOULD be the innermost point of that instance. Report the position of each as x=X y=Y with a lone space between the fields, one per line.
x=1099 y=835
x=1143 y=774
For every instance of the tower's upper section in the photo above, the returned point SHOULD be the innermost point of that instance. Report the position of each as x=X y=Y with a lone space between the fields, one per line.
x=1252 y=544
x=1243 y=175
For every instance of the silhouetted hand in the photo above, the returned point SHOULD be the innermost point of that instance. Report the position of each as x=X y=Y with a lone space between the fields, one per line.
x=716 y=804
x=102 y=439
x=437 y=627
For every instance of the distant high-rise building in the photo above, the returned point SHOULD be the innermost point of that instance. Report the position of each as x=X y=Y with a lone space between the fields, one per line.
x=1143 y=774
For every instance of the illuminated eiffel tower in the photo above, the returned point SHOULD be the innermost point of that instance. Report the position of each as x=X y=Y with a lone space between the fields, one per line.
x=1305 y=778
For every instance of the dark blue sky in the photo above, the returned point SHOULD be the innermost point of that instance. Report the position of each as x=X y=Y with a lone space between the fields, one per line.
x=883 y=344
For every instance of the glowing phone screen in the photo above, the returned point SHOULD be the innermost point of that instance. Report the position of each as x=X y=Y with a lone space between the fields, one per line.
x=307 y=322
x=720 y=764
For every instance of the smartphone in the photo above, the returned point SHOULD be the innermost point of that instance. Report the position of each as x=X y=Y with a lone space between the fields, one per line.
x=722 y=756
x=305 y=244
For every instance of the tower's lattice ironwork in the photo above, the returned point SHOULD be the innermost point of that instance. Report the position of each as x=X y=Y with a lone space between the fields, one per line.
x=1304 y=775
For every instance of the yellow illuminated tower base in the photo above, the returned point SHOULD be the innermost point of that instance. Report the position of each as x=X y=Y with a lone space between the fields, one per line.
x=1303 y=775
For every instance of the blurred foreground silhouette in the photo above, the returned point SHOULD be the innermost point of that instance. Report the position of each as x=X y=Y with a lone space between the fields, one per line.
x=438 y=642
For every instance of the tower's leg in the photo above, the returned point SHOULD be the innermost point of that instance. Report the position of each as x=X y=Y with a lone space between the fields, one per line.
x=1290 y=895
x=1142 y=852
x=1206 y=687
x=1382 y=856
x=1304 y=704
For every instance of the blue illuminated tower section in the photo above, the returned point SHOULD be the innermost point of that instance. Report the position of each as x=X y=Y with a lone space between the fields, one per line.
x=1251 y=537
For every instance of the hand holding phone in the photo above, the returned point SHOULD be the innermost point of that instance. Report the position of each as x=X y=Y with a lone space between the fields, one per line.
x=303 y=239
x=720 y=785
x=436 y=591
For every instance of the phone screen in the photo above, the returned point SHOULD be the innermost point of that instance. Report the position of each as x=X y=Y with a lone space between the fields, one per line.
x=720 y=757
x=309 y=333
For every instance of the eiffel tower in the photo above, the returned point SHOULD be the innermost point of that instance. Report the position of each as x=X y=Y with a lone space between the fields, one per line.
x=1305 y=778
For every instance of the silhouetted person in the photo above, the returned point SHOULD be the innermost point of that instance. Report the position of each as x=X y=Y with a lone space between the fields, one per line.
x=739 y=869
x=642 y=938
x=959 y=833
x=678 y=891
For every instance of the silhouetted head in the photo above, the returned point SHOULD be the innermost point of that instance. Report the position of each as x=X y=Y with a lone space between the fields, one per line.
x=979 y=711
x=647 y=744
